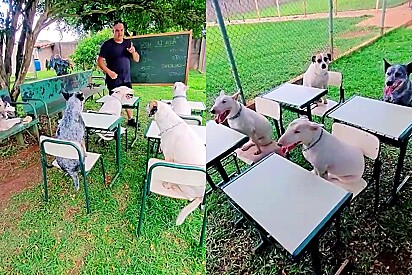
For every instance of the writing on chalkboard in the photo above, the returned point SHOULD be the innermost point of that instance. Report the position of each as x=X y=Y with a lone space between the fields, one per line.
x=164 y=58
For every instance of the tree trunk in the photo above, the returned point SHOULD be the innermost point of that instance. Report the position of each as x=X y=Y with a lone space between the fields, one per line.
x=3 y=84
x=20 y=49
x=28 y=51
x=22 y=40
x=31 y=37
x=11 y=36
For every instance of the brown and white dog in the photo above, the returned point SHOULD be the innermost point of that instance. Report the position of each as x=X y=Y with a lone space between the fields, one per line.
x=316 y=75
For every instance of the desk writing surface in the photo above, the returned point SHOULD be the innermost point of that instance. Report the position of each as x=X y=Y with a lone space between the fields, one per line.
x=220 y=139
x=295 y=95
x=289 y=202
x=377 y=116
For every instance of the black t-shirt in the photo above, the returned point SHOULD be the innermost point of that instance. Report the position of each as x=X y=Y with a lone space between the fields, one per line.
x=118 y=60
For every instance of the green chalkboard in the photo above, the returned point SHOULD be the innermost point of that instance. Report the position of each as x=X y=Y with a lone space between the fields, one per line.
x=164 y=58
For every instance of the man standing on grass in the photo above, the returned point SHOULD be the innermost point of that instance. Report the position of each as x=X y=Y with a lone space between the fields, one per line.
x=114 y=59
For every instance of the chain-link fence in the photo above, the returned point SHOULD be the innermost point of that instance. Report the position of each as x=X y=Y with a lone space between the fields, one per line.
x=273 y=40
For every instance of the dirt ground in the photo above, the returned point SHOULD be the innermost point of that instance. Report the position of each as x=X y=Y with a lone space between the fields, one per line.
x=19 y=172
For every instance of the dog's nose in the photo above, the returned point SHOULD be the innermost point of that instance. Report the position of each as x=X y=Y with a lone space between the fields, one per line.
x=389 y=83
x=323 y=66
x=213 y=111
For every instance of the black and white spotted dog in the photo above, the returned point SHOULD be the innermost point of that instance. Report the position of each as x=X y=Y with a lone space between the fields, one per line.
x=72 y=128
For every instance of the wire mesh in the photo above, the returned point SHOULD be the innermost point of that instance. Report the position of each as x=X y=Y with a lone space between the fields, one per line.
x=273 y=40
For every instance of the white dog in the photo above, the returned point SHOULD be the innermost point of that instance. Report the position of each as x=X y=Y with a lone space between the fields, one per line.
x=5 y=122
x=113 y=105
x=180 y=144
x=327 y=154
x=316 y=75
x=179 y=102
x=244 y=120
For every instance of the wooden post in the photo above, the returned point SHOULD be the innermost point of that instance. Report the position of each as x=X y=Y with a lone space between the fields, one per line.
x=383 y=16
x=202 y=56
x=304 y=7
x=336 y=7
x=257 y=9
x=377 y=5
x=277 y=5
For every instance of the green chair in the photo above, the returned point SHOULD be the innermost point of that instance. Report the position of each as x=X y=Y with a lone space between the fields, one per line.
x=70 y=150
x=180 y=176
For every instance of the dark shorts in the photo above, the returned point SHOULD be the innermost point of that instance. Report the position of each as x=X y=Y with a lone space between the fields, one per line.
x=110 y=88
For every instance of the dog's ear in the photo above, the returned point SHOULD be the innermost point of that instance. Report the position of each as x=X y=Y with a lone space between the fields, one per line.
x=409 y=68
x=222 y=92
x=152 y=108
x=329 y=56
x=236 y=96
x=186 y=88
x=313 y=58
x=386 y=64
x=80 y=96
x=314 y=126
x=66 y=95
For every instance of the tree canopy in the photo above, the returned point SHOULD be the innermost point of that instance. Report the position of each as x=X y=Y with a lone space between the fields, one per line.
x=141 y=17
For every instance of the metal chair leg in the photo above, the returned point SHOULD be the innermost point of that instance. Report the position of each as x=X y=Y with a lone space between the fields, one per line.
x=139 y=226
x=103 y=170
x=203 y=233
x=86 y=192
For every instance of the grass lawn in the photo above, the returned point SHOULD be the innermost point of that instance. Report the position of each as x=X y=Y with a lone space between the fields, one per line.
x=59 y=238
x=269 y=54
x=380 y=245
x=313 y=6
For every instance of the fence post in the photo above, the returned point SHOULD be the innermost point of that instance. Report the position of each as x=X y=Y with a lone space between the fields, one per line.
x=257 y=9
x=304 y=7
x=383 y=16
x=225 y=37
x=331 y=27
x=336 y=7
x=277 y=5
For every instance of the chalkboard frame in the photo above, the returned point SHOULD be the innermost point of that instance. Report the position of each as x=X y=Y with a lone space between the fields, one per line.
x=189 y=48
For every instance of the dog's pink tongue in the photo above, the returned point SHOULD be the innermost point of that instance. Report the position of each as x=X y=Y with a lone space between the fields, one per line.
x=287 y=149
x=388 y=90
x=218 y=119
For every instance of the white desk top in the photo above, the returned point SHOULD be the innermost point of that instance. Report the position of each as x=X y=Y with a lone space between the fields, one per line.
x=101 y=121
x=153 y=131
x=295 y=95
x=194 y=105
x=289 y=202
x=126 y=102
x=373 y=115
x=221 y=139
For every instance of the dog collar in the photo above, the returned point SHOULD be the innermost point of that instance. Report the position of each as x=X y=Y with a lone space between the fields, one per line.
x=311 y=146
x=165 y=130
x=238 y=113
x=177 y=96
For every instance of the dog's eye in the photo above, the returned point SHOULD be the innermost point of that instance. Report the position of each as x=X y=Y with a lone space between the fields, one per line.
x=319 y=60
x=297 y=131
x=388 y=73
x=325 y=59
x=397 y=74
x=223 y=101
